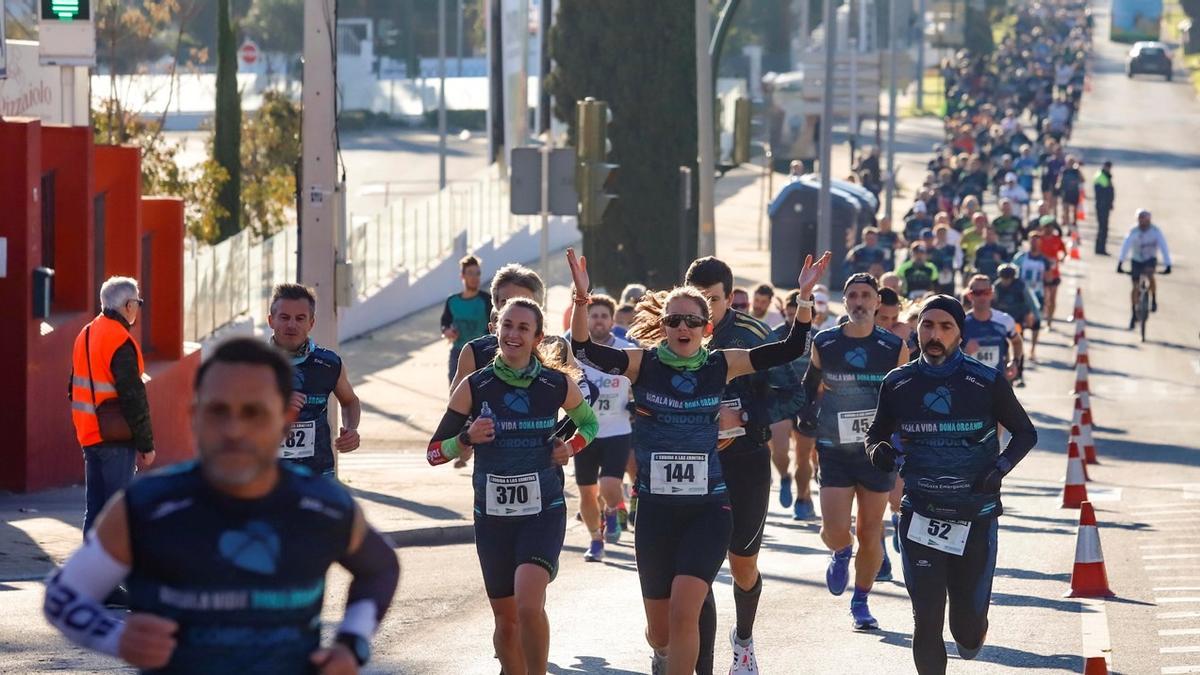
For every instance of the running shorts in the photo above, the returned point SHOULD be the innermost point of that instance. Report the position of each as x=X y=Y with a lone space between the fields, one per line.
x=504 y=544
x=848 y=466
x=602 y=457
x=680 y=539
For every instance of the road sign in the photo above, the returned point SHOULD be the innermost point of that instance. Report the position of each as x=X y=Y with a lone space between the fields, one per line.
x=525 y=182
x=248 y=53
x=66 y=33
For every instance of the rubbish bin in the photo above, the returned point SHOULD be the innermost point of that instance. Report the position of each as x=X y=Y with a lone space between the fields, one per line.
x=793 y=215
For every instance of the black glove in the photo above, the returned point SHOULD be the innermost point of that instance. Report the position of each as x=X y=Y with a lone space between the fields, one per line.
x=989 y=482
x=1167 y=270
x=883 y=456
x=1119 y=270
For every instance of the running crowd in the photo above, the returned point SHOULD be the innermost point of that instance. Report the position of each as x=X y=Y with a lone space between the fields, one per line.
x=694 y=393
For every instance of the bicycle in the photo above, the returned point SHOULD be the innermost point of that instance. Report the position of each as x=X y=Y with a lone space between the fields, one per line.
x=1141 y=309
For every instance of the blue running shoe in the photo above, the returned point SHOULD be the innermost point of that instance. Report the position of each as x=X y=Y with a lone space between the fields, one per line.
x=785 y=491
x=612 y=527
x=885 y=568
x=861 y=614
x=896 y=532
x=837 y=575
x=595 y=552
x=803 y=510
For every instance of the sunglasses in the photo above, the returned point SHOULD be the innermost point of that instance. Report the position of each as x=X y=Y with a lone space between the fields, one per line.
x=139 y=301
x=692 y=321
x=981 y=291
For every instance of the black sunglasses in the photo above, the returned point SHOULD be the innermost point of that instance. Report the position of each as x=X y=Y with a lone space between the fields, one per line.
x=692 y=321
x=139 y=301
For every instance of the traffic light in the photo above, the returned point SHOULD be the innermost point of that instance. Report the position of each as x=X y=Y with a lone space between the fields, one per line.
x=594 y=177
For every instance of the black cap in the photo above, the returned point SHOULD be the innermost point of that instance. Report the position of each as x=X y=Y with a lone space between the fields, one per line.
x=861 y=278
x=949 y=305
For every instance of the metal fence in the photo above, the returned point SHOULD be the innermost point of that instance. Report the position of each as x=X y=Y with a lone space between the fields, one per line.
x=233 y=279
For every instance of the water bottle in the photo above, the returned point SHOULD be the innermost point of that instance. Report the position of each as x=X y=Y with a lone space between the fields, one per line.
x=486 y=411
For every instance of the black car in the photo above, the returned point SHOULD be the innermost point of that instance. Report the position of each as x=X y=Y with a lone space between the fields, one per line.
x=1149 y=57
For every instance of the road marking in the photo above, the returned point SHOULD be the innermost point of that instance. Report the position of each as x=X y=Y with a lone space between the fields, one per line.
x=1175 y=578
x=1104 y=494
x=1171 y=521
x=1190 y=568
x=1176 y=588
x=1180 y=512
x=1170 y=546
x=1167 y=601
x=1178 y=650
x=1171 y=556
x=1179 y=670
x=1093 y=623
x=1177 y=615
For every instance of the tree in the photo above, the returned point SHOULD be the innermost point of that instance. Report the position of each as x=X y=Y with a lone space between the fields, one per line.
x=639 y=57
x=270 y=157
x=227 y=125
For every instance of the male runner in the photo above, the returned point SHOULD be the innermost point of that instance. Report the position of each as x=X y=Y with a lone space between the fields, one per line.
x=946 y=406
x=1141 y=247
x=762 y=306
x=317 y=373
x=1011 y=296
x=604 y=460
x=745 y=461
x=466 y=314
x=1032 y=266
x=990 y=335
x=918 y=273
x=868 y=253
x=225 y=556
x=848 y=363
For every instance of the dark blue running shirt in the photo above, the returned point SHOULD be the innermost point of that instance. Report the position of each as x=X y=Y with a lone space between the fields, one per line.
x=244 y=578
x=308 y=442
x=851 y=371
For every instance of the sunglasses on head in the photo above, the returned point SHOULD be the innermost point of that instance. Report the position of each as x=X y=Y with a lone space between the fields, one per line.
x=692 y=321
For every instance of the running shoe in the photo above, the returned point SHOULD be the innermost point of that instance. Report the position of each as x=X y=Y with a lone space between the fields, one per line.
x=612 y=527
x=837 y=575
x=803 y=509
x=896 y=532
x=623 y=518
x=785 y=491
x=861 y=614
x=885 y=567
x=595 y=552
x=658 y=663
x=743 y=656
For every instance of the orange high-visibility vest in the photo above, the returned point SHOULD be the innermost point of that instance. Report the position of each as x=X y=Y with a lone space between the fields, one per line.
x=106 y=336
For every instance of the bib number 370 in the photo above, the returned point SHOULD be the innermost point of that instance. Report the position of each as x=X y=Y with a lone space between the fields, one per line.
x=513 y=495
x=949 y=536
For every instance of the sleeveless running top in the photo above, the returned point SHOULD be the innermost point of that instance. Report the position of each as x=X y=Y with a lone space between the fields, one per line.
x=992 y=336
x=308 y=441
x=851 y=371
x=484 y=348
x=244 y=578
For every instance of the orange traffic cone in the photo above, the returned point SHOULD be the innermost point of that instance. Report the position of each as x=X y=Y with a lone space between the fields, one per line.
x=1083 y=403
x=1078 y=304
x=1088 y=578
x=1073 y=448
x=1095 y=665
x=1081 y=377
x=1074 y=491
x=1080 y=332
x=1086 y=443
x=1080 y=215
x=1081 y=352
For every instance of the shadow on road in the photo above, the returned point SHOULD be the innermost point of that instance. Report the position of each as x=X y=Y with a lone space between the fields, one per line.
x=433 y=512
x=1031 y=575
x=589 y=664
x=1005 y=656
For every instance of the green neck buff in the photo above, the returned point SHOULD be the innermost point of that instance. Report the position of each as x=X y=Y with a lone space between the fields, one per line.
x=688 y=363
x=517 y=378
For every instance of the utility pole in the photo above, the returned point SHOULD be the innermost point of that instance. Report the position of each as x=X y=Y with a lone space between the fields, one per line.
x=458 y=35
x=441 y=100
x=706 y=242
x=825 y=197
x=921 y=55
x=894 y=51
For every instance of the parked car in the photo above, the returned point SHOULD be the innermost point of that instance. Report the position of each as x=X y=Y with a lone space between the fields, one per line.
x=1149 y=57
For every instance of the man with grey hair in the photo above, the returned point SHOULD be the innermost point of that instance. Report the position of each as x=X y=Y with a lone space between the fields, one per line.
x=108 y=398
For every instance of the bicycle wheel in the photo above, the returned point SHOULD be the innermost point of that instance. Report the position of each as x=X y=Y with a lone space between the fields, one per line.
x=1144 y=311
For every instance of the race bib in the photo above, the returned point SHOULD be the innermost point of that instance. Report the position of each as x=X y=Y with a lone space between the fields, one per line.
x=678 y=473
x=514 y=495
x=853 y=425
x=989 y=355
x=949 y=536
x=300 y=441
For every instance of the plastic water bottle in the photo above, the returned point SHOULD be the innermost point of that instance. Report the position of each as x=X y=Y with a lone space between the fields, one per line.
x=485 y=411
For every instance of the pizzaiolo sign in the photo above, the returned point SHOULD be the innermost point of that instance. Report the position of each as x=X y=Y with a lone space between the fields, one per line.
x=33 y=90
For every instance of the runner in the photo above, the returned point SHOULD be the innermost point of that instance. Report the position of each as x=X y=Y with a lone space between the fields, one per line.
x=848 y=363
x=1055 y=252
x=991 y=255
x=763 y=306
x=225 y=556
x=317 y=373
x=887 y=317
x=520 y=512
x=917 y=272
x=604 y=460
x=466 y=314
x=684 y=523
x=868 y=253
x=745 y=457
x=946 y=257
x=1008 y=229
x=1031 y=266
x=972 y=239
x=990 y=335
x=945 y=407
x=1011 y=296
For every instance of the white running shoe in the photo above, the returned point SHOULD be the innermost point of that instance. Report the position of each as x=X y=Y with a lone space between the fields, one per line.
x=743 y=656
x=658 y=663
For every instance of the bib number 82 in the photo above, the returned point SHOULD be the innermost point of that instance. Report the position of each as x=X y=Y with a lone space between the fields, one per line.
x=295 y=438
x=512 y=494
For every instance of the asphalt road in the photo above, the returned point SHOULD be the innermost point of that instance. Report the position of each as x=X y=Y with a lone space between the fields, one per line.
x=1147 y=491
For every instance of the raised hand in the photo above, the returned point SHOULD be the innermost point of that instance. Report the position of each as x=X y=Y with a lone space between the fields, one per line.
x=579 y=271
x=811 y=273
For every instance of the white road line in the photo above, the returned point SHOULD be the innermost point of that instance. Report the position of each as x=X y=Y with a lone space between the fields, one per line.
x=1189 y=577
x=1177 y=615
x=1148 y=546
x=1093 y=622
x=1171 y=521
x=1180 y=670
x=1190 y=568
x=1163 y=505
x=1168 y=632
x=1175 y=588
x=1171 y=556
x=1176 y=512
x=1168 y=601
x=1179 y=650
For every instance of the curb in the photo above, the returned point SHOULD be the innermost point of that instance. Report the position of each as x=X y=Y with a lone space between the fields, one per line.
x=441 y=535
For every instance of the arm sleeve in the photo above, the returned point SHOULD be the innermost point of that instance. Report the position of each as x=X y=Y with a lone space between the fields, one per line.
x=812 y=383
x=1009 y=412
x=376 y=573
x=131 y=392
x=447 y=316
x=585 y=421
x=74 y=601
x=884 y=424
x=606 y=359
x=444 y=447
x=774 y=354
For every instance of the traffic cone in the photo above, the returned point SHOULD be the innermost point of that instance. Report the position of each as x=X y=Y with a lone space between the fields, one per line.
x=1083 y=403
x=1073 y=448
x=1081 y=377
x=1078 y=316
x=1080 y=216
x=1074 y=491
x=1095 y=665
x=1088 y=578
x=1080 y=330
x=1081 y=352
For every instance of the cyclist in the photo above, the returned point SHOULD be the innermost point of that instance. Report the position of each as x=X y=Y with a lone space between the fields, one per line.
x=1141 y=246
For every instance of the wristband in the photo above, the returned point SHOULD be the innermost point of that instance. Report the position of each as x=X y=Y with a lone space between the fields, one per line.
x=577 y=443
x=805 y=304
x=464 y=439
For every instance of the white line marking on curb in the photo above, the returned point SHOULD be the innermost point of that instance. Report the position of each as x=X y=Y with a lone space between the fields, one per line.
x=1176 y=588
x=1178 y=650
x=1168 y=601
x=1170 y=546
x=1180 y=670
x=1093 y=623
x=1177 y=615
x=1172 y=556
x=1168 y=632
